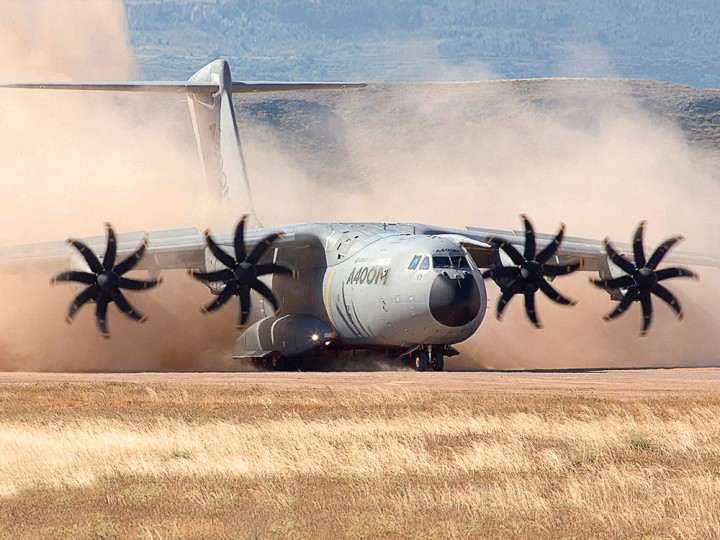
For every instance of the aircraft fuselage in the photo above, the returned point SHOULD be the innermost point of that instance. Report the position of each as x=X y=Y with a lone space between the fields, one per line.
x=380 y=285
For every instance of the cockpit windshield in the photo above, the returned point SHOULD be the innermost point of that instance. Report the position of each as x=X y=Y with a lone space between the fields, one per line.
x=441 y=261
x=456 y=262
x=460 y=263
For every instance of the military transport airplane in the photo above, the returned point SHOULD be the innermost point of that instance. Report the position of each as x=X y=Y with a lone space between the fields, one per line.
x=409 y=288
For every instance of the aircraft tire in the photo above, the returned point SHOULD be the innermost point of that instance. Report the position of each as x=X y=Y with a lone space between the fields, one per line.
x=421 y=361
x=278 y=363
x=438 y=361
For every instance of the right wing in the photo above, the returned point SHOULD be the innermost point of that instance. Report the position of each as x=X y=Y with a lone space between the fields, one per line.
x=167 y=250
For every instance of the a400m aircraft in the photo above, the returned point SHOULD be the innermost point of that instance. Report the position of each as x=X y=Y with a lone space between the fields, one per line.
x=412 y=289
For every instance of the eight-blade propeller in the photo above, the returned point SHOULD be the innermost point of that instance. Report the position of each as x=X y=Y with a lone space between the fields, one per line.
x=242 y=272
x=642 y=279
x=104 y=281
x=529 y=273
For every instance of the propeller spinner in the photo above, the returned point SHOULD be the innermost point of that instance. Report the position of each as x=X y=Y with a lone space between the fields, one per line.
x=529 y=272
x=642 y=279
x=242 y=272
x=105 y=280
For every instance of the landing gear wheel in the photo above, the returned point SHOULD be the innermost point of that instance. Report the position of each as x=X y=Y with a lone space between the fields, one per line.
x=278 y=363
x=438 y=361
x=421 y=360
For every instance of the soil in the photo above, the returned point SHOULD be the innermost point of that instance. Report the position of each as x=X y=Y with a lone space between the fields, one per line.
x=622 y=383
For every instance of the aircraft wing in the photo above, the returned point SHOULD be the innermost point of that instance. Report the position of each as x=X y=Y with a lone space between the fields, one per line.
x=591 y=251
x=167 y=250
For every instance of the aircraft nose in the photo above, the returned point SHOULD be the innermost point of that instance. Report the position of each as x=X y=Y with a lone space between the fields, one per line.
x=454 y=302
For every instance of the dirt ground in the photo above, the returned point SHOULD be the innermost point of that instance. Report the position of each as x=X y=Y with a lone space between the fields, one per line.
x=629 y=383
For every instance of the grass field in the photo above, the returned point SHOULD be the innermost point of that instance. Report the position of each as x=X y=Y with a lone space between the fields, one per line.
x=132 y=460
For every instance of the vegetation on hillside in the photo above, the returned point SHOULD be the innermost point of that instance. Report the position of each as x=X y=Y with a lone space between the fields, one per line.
x=409 y=40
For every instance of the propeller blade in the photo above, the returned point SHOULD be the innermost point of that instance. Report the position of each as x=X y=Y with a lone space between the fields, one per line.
x=131 y=261
x=262 y=247
x=549 y=250
x=646 y=303
x=501 y=272
x=101 y=314
x=661 y=250
x=667 y=273
x=622 y=282
x=124 y=306
x=80 y=300
x=137 y=284
x=624 y=304
x=218 y=275
x=239 y=240
x=111 y=249
x=625 y=265
x=244 y=295
x=223 y=297
x=529 y=251
x=553 y=295
x=80 y=277
x=276 y=268
x=530 y=309
x=669 y=298
x=508 y=248
x=507 y=295
x=264 y=290
x=552 y=270
x=88 y=255
x=638 y=250
x=219 y=253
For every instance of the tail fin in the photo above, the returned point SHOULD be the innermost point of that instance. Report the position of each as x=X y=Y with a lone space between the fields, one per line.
x=209 y=93
x=218 y=140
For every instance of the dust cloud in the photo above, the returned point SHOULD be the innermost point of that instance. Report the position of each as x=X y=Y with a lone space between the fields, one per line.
x=458 y=155
x=70 y=161
x=451 y=155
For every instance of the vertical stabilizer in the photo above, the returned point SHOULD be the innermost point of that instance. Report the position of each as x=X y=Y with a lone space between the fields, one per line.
x=218 y=140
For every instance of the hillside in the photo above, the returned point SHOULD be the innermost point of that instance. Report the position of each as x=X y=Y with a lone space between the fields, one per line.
x=318 y=130
x=425 y=40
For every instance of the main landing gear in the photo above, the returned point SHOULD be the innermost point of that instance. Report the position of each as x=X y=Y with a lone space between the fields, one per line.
x=277 y=362
x=429 y=357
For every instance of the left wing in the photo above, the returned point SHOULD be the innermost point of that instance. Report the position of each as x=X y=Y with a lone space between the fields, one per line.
x=526 y=262
x=591 y=251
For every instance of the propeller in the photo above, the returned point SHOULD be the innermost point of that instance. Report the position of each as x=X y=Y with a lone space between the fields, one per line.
x=242 y=272
x=642 y=279
x=105 y=280
x=528 y=273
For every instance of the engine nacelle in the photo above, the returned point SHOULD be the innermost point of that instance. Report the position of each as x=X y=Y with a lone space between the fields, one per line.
x=609 y=270
x=288 y=335
x=211 y=265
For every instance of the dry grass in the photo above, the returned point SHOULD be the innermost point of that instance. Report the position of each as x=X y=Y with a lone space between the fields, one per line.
x=126 y=460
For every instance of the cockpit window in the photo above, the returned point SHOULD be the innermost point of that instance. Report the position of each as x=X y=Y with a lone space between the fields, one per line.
x=425 y=264
x=460 y=263
x=413 y=264
x=441 y=261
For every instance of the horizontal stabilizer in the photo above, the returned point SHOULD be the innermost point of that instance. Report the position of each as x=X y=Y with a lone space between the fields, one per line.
x=249 y=87
x=182 y=87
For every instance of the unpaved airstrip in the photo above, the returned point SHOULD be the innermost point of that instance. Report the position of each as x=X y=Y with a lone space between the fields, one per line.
x=611 y=382
x=391 y=454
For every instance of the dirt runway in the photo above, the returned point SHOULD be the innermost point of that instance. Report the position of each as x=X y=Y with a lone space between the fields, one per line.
x=645 y=383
